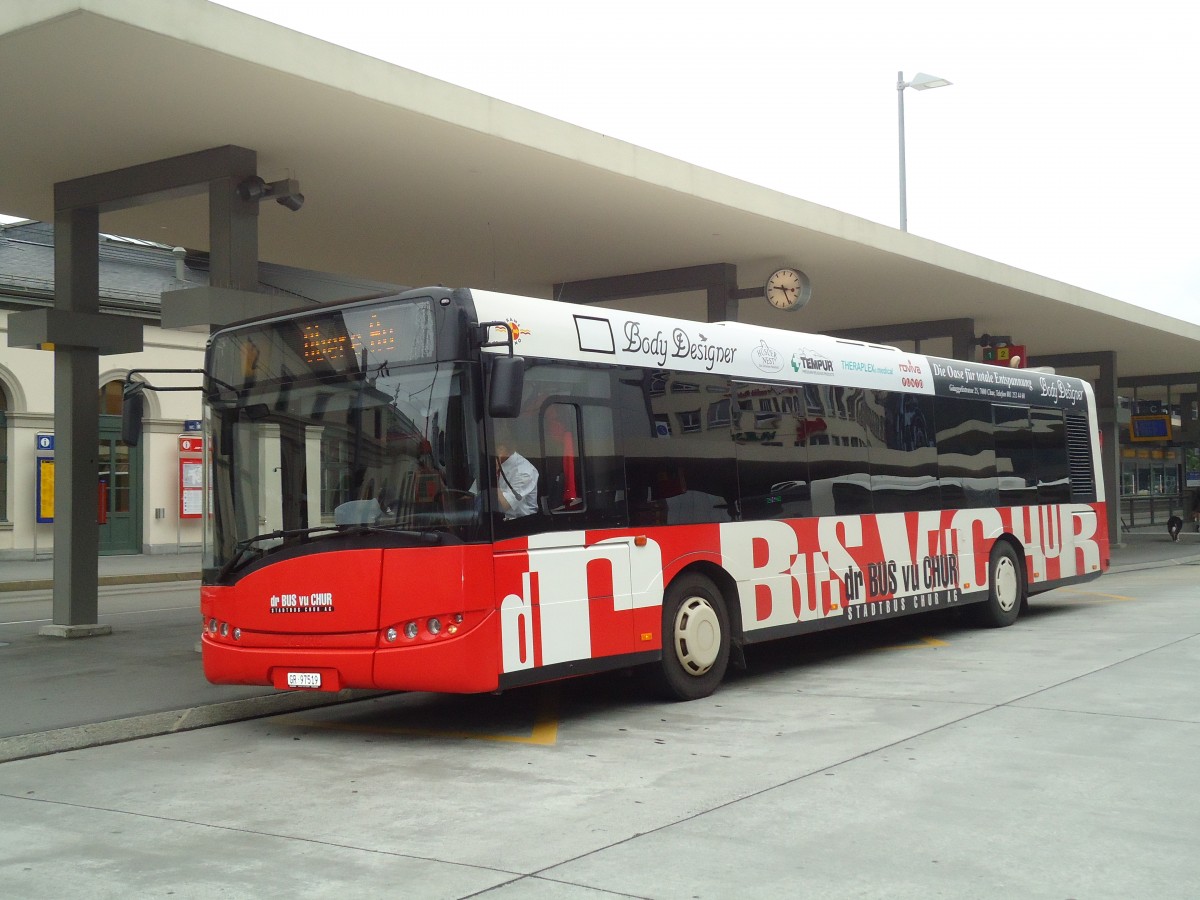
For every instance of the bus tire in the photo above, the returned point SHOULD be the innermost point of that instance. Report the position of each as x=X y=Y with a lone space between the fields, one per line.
x=1006 y=588
x=696 y=639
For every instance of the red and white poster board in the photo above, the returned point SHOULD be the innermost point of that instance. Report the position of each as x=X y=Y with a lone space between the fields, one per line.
x=191 y=477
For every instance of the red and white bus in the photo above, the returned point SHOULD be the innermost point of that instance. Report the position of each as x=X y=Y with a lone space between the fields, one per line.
x=700 y=487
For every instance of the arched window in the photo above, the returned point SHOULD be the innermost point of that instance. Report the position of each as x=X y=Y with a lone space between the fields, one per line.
x=3 y=454
x=110 y=399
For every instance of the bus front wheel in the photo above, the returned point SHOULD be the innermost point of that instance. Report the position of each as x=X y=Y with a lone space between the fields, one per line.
x=696 y=638
x=1006 y=588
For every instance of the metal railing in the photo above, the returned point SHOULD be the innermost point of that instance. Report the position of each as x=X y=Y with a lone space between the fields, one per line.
x=1138 y=512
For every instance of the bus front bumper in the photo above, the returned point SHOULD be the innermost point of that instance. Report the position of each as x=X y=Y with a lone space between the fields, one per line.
x=465 y=664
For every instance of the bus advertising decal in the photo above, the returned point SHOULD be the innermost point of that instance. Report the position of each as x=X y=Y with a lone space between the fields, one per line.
x=302 y=603
x=810 y=362
x=870 y=368
x=603 y=596
x=516 y=330
x=681 y=345
x=1062 y=391
x=731 y=348
x=983 y=382
x=741 y=350
x=766 y=358
x=899 y=606
x=595 y=335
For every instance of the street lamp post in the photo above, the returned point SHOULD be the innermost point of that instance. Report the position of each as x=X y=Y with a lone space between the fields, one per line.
x=920 y=82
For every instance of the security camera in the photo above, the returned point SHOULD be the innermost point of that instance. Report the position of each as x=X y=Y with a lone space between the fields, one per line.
x=291 y=201
x=286 y=191
x=253 y=188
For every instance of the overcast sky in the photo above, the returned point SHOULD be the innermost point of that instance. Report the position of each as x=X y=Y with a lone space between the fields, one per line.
x=1068 y=143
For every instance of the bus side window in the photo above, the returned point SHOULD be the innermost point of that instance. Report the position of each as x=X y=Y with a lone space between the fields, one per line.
x=1016 y=475
x=600 y=467
x=837 y=457
x=678 y=447
x=522 y=436
x=567 y=431
x=563 y=491
x=966 y=453
x=583 y=484
x=903 y=455
x=772 y=432
x=1050 y=453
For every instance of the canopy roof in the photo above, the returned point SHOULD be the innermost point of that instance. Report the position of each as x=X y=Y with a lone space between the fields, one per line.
x=411 y=180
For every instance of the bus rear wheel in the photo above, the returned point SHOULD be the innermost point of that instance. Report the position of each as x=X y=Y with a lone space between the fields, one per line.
x=1006 y=588
x=696 y=639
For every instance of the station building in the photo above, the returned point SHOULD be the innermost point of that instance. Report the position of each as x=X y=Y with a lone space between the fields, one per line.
x=148 y=501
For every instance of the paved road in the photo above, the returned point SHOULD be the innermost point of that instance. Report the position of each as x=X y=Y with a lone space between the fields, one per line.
x=1052 y=759
x=34 y=608
x=145 y=678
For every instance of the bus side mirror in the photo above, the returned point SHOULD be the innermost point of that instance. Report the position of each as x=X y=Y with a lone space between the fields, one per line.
x=133 y=404
x=508 y=382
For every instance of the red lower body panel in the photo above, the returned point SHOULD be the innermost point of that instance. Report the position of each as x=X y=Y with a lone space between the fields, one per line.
x=229 y=664
x=464 y=663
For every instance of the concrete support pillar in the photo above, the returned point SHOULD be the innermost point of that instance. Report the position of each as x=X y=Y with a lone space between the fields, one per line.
x=233 y=232
x=1110 y=455
x=76 y=426
x=80 y=334
x=1189 y=423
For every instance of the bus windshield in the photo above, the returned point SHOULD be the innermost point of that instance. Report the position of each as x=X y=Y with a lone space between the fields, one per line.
x=329 y=429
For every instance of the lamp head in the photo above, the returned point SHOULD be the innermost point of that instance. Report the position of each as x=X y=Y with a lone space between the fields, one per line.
x=923 y=82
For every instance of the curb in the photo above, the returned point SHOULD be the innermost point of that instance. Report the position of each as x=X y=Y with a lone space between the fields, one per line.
x=1192 y=559
x=1154 y=564
x=97 y=734
x=45 y=584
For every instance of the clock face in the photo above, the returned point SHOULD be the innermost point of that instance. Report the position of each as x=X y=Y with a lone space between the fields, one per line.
x=786 y=289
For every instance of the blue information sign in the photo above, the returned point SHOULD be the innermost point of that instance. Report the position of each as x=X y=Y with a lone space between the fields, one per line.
x=45 y=442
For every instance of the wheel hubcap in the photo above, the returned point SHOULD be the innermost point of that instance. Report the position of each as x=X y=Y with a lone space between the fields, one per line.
x=1006 y=584
x=697 y=635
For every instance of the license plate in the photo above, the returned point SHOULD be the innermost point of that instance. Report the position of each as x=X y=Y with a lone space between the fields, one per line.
x=304 y=679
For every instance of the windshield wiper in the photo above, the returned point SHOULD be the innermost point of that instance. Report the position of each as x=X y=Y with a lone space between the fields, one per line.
x=428 y=537
x=242 y=546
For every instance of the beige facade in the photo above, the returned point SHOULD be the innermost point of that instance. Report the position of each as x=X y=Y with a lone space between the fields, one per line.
x=27 y=380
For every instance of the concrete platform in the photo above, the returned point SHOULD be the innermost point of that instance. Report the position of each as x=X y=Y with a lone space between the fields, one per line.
x=1052 y=759
x=145 y=677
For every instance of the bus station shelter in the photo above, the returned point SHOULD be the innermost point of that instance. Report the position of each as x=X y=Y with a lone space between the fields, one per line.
x=181 y=123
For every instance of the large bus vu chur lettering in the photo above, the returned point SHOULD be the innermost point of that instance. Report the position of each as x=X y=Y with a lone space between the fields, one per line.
x=699 y=487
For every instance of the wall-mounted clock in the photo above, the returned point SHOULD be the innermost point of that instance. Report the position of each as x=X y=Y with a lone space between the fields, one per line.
x=788 y=289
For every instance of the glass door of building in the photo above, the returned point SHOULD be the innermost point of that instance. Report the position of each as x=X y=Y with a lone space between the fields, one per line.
x=1151 y=485
x=120 y=495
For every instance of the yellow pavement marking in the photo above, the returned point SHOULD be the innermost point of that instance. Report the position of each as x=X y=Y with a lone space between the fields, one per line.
x=923 y=644
x=544 y=731
x=1119 y=597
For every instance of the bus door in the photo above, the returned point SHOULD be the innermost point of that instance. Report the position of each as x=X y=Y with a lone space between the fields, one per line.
x=577 y=599
x=571 y=603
